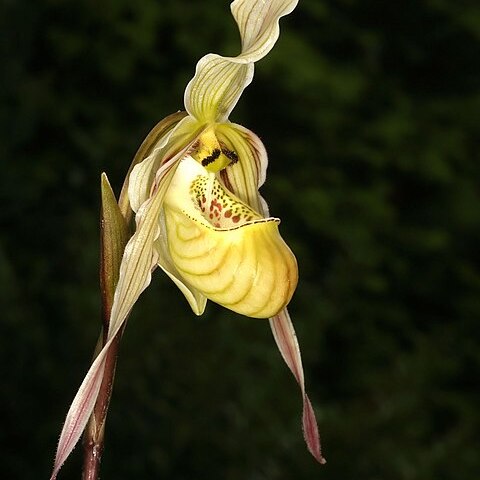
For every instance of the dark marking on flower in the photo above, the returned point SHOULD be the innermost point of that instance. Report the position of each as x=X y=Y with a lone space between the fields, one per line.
x=211 y=158
x=230 y=154
x=217 y=206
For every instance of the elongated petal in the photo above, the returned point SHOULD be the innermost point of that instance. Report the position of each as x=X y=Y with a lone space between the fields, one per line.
x=138 y=260
x=223 y=248
x=258 y=22
x=80 y=411
x=141 y=179
x=219 y=81
x=113 y=240
x=135 y=275
x=287 y=343
x=247 y=175
x=140 y=256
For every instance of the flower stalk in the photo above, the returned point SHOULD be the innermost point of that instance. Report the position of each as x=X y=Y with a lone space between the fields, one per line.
x=113 y=238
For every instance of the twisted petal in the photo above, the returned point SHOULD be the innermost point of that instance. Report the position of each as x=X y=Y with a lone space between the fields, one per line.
x=140 y=257
x=287 y=343
x=216 y=87
x=243 y=178
x=258 y=22
x=135 y=275
x=219 y=81
x=223 y=248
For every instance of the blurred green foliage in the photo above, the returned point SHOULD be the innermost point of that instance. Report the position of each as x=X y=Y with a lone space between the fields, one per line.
x=369 y=111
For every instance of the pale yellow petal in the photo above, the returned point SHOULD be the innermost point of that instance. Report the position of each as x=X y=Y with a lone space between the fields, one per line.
x=248 y=174
x=159 y=145
x=216 y=87
x=153 y=140
x=141 y=180
x=140 y=256
x=258 y=22
x=219 y=81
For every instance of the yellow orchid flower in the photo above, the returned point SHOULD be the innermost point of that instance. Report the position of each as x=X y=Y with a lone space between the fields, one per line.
x=199 y=216
x=214 y=244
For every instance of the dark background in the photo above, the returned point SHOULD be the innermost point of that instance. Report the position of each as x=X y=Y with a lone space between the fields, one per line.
x=369 y=111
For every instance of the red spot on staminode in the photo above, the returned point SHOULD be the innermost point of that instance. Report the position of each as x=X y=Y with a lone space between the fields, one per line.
x=215 y=205
x=236 y=218
x=228 y=214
